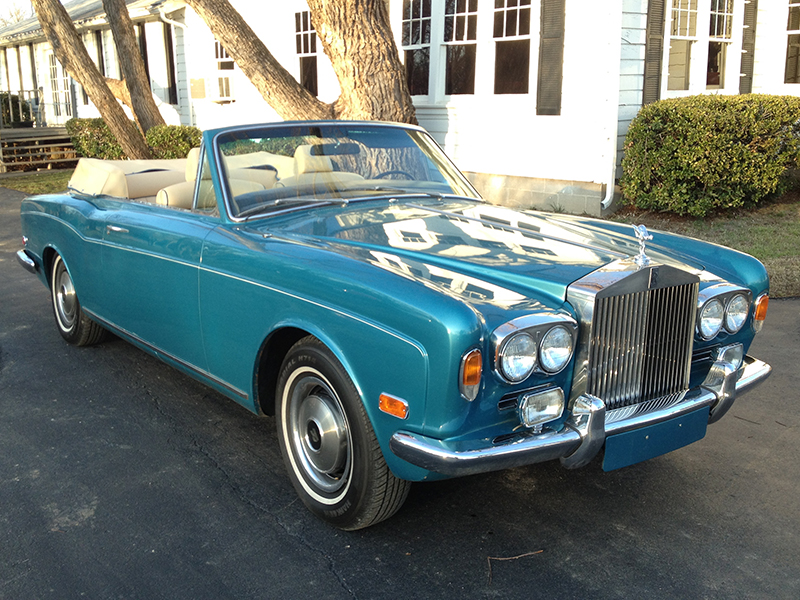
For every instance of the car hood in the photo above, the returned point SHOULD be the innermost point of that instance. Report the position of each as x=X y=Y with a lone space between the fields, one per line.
x=474 y=250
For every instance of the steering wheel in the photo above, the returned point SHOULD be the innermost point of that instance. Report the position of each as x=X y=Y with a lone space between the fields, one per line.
x=394 y=172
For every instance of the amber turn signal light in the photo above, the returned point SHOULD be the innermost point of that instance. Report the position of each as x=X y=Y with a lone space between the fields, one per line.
x=394 y=406
x=762 y=303
x=470 y=376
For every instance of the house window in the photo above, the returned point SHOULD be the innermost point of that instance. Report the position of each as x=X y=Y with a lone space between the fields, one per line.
x=720 y=34
x=306 y=38
x=169 y=53
x=512 y=29
x=792 y=72
x=460 y=34
x=224 y=66
x=683 y=33
x=141 y=38
x=416 y=44
x=98 y=43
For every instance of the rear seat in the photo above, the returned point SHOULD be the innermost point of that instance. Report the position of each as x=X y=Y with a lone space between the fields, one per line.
x=132 y=179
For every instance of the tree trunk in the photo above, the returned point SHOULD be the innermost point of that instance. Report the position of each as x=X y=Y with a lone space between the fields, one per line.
x=72 y=54
x=357 y=37
x=361 y=49
x=132 y=65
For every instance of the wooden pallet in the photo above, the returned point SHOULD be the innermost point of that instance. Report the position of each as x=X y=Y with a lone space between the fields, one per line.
x=35 y=148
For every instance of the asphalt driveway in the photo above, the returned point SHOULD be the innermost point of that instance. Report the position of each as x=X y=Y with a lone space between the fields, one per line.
x=121 y=478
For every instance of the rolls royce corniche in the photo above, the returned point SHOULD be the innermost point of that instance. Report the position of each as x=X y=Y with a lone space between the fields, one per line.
x=346 y=279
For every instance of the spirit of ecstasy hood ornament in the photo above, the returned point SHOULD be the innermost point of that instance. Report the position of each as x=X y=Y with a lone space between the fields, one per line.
x=643 y=236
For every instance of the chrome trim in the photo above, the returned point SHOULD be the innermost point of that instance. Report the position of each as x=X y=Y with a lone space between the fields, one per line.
x=643 y=236
x=536 y=325
x=723 y=292
x=619 y=279
x=27 y=263
x=583 y=434
x=589 y=420
x=159 y=353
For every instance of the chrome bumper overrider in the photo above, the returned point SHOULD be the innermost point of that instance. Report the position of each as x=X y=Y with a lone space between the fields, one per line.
x=26 y=261
x=585 y=432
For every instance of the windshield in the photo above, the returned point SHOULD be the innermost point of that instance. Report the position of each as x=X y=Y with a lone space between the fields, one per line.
x=274 y=168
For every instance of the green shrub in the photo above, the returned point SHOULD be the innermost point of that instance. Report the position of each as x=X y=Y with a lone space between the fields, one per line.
x=93 y=139
x=172 y=141
x=701 y=154
x=11 y=109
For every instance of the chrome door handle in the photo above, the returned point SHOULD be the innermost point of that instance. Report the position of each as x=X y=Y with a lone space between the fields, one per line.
x=115 y=229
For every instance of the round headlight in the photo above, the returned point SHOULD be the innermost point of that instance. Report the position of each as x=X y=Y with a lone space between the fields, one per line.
x=736 y=313
x=711 y=319
x=518 y=357
x=556 y=349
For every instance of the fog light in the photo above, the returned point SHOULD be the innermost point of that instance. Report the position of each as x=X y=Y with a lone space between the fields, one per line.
x=733 y=354
x=541 y=407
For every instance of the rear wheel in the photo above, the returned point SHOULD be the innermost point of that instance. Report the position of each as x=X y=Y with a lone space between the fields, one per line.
x=73 y=325
x=328 y=444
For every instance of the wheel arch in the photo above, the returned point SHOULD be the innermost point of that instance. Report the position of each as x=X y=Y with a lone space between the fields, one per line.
x=268 y=365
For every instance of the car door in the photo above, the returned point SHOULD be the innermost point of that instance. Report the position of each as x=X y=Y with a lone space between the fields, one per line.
x=151 y=258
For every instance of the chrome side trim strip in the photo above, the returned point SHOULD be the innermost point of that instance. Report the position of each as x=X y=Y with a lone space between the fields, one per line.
x=159 y=353
x=582 y=436
x=27 y=263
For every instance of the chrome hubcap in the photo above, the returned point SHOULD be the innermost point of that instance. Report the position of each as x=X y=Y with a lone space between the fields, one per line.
x=66 y=302
x=319 y=434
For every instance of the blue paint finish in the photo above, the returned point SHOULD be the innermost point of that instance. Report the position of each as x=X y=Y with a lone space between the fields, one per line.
x=398 y=288
x=629 y=448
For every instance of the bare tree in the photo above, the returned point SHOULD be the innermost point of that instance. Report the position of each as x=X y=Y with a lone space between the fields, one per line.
x=138 y=83
x=72 y=54
x=356 y=37
x=14 y=12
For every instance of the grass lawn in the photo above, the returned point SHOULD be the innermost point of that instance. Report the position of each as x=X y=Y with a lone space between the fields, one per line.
x=771 y=232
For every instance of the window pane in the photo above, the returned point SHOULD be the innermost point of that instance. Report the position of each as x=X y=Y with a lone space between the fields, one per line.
x=426 y=31
x=460 y=72
x=715 y=77
x=511 y=23
x=525 y=21
x=417 y=69
x=679 y=56
x=308 y=73
x=472 y=27
x=512 y=67
x=498 y=24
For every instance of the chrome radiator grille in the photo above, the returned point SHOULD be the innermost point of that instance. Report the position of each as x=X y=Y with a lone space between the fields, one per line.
x=641 y=344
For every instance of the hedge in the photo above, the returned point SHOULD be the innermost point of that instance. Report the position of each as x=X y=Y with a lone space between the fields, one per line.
x=93 y=139
x=703 y=154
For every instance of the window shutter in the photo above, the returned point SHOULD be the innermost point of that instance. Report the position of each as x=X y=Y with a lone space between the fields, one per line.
x=748 y=47
x=551 y=58
x=654 y=51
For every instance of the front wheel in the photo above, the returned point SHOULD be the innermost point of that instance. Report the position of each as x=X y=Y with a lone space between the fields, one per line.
x=328 y=443
x=73 y=324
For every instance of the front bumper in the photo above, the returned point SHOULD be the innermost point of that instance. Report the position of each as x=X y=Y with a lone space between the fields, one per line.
x=585 y=432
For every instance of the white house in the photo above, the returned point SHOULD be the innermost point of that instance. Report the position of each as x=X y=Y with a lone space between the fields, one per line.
x=532 y=98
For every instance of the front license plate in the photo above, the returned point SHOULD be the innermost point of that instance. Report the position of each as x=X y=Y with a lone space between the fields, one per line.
x=648 y=442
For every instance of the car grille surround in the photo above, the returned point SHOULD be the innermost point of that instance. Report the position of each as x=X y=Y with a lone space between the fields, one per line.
x=637 y=332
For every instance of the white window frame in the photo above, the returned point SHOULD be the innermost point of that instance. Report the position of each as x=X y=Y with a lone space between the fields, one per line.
x=222 y=87
x=699 y=44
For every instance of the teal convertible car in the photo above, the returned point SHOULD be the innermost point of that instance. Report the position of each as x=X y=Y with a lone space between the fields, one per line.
x=346 y=278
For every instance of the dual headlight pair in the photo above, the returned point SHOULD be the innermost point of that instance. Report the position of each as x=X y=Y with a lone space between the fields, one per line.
x=722 y=307
x=542 y=342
